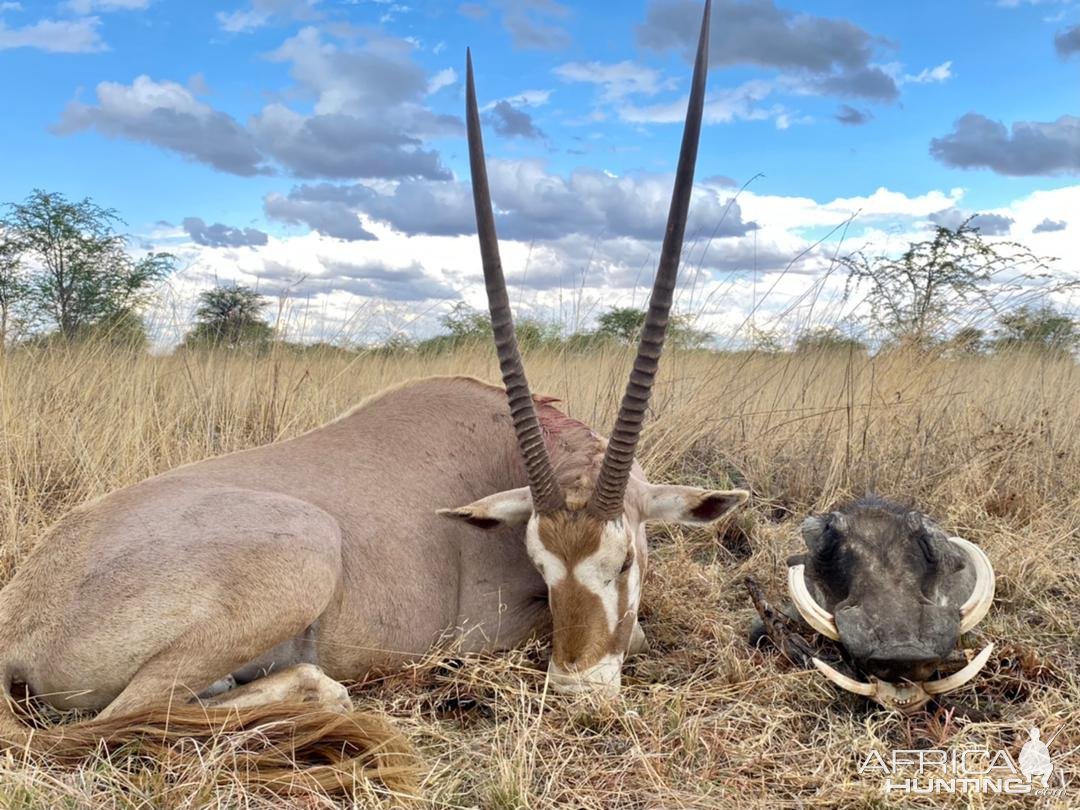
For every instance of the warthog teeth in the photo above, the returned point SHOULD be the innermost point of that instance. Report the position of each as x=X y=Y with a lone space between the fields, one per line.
x=843 y=681
x=813 y=614
x=971 y=612
x=982 y=595
x=906 y=697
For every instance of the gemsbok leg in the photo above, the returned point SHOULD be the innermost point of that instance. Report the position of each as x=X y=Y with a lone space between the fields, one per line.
x=303 y=682
x=229 y=586
x=258 y=623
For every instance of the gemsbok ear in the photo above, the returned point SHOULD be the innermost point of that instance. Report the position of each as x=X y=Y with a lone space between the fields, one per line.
x=690 y=505
x=513 y=507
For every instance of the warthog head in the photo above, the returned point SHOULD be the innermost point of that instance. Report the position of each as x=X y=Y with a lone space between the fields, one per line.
x=897 y=592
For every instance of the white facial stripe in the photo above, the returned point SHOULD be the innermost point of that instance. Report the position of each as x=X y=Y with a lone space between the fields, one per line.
x=551 y=567
x=597 y=571
x=633 y=585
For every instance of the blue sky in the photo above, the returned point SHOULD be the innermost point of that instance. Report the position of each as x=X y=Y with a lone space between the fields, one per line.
x=317 y=145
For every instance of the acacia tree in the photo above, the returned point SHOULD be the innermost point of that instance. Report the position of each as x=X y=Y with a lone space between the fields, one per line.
x=968 y=340
x=463 y=325
x=230 y=317
x=14 y=290
x=828 y=339
x=917 y=297
x=624 y=324
x=1044 y=328
x=83 y=275
x=621 y=323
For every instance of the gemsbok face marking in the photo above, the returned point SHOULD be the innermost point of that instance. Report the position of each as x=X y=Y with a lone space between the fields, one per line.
x=594 y=568
x=585 y=530
x=593 y=581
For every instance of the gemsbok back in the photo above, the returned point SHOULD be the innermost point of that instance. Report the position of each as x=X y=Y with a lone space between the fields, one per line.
x=244 y=588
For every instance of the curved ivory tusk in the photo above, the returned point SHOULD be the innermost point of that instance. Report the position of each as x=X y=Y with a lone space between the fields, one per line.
x=814 y=614
x=843 y=681
x=959 y=678
x=976 y=606
x=971 y=612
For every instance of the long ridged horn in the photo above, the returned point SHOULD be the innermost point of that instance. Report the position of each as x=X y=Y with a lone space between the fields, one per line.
x=547 y=497
x=607 y=499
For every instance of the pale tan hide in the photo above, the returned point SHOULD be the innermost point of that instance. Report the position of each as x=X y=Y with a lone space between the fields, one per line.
x=325 y=549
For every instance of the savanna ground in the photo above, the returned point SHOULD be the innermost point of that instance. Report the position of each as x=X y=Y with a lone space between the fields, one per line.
x=989 y=446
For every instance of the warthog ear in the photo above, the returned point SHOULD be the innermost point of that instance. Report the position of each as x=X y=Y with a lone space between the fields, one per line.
x=812 y=530
x=510 y=508
x=815 y=527
x=692 y=505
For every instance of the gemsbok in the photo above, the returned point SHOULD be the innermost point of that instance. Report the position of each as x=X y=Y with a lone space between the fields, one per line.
x=261 y=579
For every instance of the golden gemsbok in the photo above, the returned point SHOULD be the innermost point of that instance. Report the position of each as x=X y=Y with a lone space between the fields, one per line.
x=234 y=586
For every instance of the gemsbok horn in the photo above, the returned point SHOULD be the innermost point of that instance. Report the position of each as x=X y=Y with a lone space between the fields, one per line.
x=587 y=536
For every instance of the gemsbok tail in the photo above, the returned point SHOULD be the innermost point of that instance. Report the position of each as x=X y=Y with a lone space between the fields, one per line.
x=282 y=747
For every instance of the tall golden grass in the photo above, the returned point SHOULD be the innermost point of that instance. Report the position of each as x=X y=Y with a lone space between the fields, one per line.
x=989 y=446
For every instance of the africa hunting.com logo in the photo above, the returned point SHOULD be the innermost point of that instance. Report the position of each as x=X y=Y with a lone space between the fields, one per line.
x=930 y=771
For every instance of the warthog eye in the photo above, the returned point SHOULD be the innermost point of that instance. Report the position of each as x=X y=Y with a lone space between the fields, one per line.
x=928 y=550
x=832 y=564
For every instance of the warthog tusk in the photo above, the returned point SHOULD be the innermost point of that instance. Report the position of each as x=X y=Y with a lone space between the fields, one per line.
x=843 y=681
x=909 y=696
x=906 y=697
x=982 y=595
x=814 y=614
x=959 y=678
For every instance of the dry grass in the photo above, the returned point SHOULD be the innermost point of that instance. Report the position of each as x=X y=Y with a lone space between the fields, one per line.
x=989 y=446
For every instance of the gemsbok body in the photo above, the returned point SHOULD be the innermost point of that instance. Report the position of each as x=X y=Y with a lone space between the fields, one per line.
x=430 y=513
